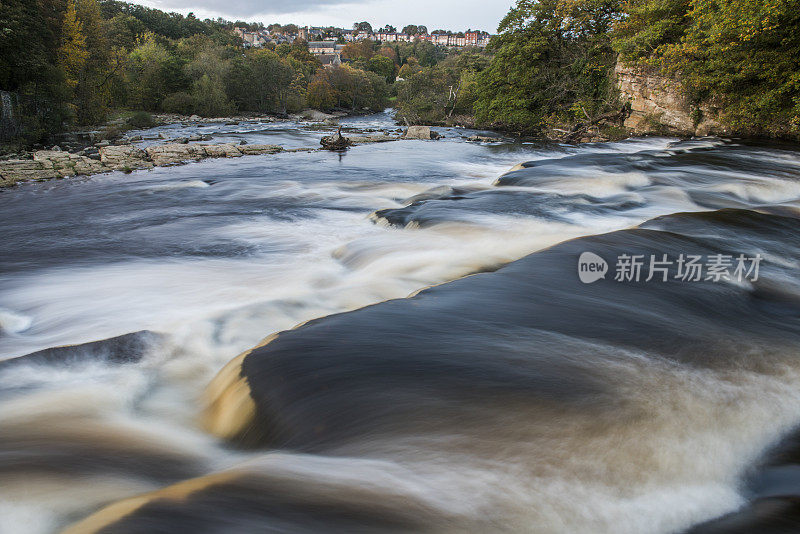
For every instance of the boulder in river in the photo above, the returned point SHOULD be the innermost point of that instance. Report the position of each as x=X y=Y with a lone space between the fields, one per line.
x=314 y=115
x=257 y=150
x=172 y=153
x=128 y=348
x=222 y=151
x=420 y=132
x=117 y=157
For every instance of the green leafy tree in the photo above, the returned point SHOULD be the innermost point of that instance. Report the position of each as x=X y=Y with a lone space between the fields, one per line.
x=738 y=58
x=435 y=95
x=152 y=73
x=363 y=27
x=554 y=64
x=383 y=66
x=30 y=70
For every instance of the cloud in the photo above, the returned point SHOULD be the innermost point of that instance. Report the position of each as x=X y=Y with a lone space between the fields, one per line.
x=445 y=14
x=244 y=8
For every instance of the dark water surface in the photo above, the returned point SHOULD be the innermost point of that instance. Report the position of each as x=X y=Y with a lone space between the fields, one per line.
x=517 y=400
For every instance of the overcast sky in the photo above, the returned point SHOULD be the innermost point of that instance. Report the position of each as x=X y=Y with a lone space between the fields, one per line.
x=445 y=14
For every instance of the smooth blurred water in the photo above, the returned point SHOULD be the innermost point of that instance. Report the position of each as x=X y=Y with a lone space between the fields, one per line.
x=217 y=255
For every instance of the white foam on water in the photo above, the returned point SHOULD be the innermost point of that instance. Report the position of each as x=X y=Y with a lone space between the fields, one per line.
x=675 y=469
x=759 y=189
x=14 y=323
x=191 y=184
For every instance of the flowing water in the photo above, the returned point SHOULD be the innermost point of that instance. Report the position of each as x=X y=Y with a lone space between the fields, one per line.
x=516 y=400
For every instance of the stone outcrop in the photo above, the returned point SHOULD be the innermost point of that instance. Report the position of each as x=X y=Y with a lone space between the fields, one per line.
x=47 y=164
x=173 y=153
x=226 y=150
x=317 y=116
x=123 y=156
x=420 y=132
x=658 y=104
x=378 y=138
x=257 y=150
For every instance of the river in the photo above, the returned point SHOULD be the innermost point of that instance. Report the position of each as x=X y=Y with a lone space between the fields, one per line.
x=515 y=400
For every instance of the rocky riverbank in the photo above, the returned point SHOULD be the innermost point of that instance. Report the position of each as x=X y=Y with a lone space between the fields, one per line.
x=49 y=164
x=52 y=164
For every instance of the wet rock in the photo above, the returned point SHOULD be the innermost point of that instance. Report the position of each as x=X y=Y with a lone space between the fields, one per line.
x=67 y=164
x=172 y=153
x=314 y=115
x=16 y=170
x=123 y=156
x=48 y=164
x=227 y=150
x=128 y=348
x=256 y=150
x=483 y=139
x=420 y=132
x=382 y=138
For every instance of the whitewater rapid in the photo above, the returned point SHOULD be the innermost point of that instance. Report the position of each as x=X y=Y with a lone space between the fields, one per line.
x=215 y=256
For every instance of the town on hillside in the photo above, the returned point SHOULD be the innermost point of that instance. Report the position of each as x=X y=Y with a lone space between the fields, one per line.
x=329 y=41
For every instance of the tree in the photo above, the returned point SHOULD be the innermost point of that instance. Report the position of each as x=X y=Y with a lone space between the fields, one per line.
x=124 y=31
x=553 y=65
x=86 y=58
x=209 y=70
x=359 y=49
x=210 y=98
x=411 y=30
x=30 y=68
x=382 y=66
x=152 y=73
x=73 y=53
x=321 y=95
x=388 y=29
x=350 y=88
x=363 y=27
x=435 y=95
x=740 y=59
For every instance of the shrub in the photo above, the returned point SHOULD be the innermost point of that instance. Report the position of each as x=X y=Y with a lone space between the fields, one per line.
x=181 y=103
x=141 y=119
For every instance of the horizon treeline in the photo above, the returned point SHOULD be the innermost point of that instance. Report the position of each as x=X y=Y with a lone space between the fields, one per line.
x=552 y=65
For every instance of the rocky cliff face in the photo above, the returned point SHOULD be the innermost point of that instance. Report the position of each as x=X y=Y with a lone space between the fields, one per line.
x=658 y=105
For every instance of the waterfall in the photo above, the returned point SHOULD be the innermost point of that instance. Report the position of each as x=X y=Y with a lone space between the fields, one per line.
x=8 y=126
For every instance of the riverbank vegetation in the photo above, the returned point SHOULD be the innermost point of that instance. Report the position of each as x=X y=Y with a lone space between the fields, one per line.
x=552 y=65
x=69 y=63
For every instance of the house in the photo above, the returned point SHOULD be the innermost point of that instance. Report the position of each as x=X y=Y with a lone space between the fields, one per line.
x=319 y=48
x=330 y=60
x=251 y=39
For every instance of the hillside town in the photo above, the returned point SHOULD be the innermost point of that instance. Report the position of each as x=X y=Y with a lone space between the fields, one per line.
x=330 y=40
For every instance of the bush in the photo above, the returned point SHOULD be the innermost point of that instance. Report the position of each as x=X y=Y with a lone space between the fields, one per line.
x=321 y=95
x=180 y=103
x=141 y=119
x=210 y=98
